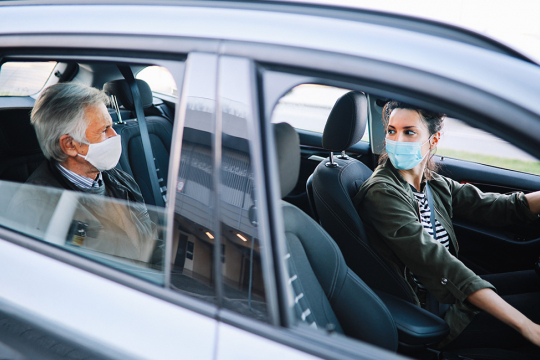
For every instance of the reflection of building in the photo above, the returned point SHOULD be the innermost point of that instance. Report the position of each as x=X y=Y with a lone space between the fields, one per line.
x=195 y=208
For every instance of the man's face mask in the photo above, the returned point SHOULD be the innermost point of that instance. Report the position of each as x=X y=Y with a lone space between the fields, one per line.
x=405 y=155
x=104 y=155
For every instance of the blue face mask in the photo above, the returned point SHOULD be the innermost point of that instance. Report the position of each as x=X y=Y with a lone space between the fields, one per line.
x=405 y=155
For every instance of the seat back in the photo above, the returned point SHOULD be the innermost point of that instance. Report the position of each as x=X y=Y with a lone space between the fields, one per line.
x=327 y=292
x=20 y=153
x=160 y=131
x=332 y=187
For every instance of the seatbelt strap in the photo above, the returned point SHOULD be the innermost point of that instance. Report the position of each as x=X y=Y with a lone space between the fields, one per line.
x=145 y=137
x=431 y=210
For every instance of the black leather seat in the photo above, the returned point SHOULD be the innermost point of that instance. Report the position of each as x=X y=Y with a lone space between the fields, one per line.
x=20 y=153
x=160 y=130
x=332 y=187
x=327 y=291
x=328 y=294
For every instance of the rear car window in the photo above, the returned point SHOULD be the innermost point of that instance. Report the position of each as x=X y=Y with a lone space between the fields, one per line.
x=307 y=107
x=24 y=78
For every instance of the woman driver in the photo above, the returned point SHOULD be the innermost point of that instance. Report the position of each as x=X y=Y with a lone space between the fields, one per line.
x=394 y=206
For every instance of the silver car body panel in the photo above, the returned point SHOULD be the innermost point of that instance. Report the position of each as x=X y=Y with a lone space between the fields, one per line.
x=131 y=324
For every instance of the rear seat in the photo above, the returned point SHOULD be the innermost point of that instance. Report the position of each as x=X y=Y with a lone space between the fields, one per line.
x=160 y=130
x=20 y=153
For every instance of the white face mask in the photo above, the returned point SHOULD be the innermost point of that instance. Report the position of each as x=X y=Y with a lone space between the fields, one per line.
x=104 y=155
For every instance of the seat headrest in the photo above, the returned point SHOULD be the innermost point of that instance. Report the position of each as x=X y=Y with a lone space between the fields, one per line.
x=346 y=123
x=288 y=156
x=120 y=89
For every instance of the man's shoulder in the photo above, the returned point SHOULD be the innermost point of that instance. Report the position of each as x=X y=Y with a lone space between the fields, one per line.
x=43 y=176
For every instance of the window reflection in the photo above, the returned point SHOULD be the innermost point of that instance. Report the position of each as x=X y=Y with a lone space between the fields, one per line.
x=194 y=238
x=120 y=233
x=241 y=249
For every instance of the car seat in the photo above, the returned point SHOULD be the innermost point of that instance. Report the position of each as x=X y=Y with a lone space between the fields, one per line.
x=334 y=183
x=160 y=131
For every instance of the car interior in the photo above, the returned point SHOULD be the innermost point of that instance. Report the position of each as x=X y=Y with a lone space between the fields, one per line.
x=340 y=284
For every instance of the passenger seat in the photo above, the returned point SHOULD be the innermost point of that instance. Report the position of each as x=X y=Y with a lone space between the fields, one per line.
x=160 y=130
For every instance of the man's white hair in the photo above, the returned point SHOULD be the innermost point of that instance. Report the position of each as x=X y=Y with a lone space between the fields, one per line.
x=60 y=110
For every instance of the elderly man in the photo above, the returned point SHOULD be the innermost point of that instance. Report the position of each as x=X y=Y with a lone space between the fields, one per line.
x=74 y=130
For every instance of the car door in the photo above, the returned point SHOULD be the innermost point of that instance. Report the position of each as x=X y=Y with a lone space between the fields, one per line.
x=492 y=165
x=62 y=299
x=255 y=316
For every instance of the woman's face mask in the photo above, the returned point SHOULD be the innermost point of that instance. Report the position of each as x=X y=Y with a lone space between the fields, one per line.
x=405 y=155
x=106 y=154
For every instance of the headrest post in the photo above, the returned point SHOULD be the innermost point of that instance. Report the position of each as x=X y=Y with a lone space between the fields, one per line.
x=331 y=164
x=117 y=109
x=343 y=156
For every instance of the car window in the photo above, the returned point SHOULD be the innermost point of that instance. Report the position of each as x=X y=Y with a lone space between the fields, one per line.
x=159 y=79
x=307 y=107
x=124 y=234
x=462 y=141
x=115 y=223
x=24 y=78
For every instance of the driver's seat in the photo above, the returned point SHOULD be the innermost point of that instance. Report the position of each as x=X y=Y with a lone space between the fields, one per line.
x=334 y=183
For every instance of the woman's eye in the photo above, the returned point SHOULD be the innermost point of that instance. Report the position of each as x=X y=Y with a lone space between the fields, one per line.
x=410 y=132
x=390 y=132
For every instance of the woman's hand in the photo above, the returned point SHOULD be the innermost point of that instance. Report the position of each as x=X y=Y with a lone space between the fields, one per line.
x=488 y=300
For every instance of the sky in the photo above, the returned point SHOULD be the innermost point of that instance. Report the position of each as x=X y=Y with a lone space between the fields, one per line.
x=515 y=23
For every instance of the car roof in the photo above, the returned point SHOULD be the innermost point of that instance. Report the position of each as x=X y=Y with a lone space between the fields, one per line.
x=378 y=17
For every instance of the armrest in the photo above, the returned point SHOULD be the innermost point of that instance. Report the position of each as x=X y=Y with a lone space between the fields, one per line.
x=415 y=325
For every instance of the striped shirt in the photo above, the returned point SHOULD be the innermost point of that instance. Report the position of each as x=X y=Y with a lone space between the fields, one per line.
x=425 y=219
x=80 y=181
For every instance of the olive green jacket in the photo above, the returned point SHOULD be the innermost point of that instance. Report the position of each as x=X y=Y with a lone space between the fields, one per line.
x=387 y=206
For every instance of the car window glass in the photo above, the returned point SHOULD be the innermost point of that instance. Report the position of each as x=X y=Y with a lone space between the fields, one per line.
x=124 y=234
x=307 y=107
x=159 y=79
x=24 y=78
x=462 y=141
x=241 y=262
x=195 y=224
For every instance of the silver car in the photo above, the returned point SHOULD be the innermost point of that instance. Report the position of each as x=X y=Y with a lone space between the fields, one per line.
x=221 y=279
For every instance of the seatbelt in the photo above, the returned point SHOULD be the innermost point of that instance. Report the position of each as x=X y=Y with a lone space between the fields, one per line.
x=145 y=137
x=431 y=210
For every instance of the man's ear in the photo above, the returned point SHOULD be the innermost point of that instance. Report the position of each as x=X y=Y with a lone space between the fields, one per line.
x=67 y=145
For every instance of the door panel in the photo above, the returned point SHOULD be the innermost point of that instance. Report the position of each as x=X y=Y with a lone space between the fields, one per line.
x=488 y=249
